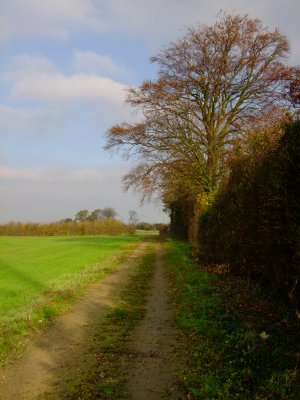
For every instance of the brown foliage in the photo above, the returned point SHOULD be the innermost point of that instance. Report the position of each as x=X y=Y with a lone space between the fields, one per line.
x=214 y=85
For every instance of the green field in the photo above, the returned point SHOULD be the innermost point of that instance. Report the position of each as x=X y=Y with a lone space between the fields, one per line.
x=41 y=276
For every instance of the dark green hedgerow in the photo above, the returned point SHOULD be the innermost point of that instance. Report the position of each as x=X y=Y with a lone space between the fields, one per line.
x=235 y=343
x=254 y=223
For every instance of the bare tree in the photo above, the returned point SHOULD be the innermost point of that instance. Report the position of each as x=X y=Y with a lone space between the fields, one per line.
x=133 y=217
x=109 y=213
x=213 y=85
x=81 y=215
x=96 y=215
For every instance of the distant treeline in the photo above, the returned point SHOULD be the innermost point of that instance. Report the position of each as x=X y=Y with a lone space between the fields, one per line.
x=146 y=226
x=69 y=228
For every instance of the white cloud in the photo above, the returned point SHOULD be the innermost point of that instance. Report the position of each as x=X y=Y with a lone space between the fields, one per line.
x=55 y=18
x=159 y=22
x=55 y=175
x=50 y=98
x=13 y=173
x=87 y=175
x=51 y=194
x=93 y=63
x=156 y=22
x=17 y=119
x=58 y=87
x=59 y=18
x=38 y=79
x=25 y=65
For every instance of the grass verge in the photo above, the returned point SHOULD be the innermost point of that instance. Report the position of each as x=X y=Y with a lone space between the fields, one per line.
x=104 y=374
x=236 y=343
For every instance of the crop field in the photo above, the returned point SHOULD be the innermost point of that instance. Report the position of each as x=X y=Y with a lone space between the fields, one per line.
x=41 y=276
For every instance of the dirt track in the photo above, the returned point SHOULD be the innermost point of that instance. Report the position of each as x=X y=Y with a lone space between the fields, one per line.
x=55 y=352
x=152 y=374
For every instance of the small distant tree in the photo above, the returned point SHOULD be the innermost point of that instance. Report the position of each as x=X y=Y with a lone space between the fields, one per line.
x=81 y=215
x=109 y=213
x=96 y=215
x=66 y=221
x=133 y=217
x=145 y=226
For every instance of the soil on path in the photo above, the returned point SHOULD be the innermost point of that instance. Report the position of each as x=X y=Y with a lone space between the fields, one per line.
x=152 y=374
x=61 y=346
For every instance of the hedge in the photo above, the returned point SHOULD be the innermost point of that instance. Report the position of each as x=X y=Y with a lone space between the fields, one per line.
x=254 y=223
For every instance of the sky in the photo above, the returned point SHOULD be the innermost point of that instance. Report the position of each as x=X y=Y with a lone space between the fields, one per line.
x=64 y=69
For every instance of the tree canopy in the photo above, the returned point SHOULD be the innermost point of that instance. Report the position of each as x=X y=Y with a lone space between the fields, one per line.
x=213 y=85
x=96 y=215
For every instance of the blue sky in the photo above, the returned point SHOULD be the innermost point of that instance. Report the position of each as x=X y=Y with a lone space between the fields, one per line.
x=64 y=65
